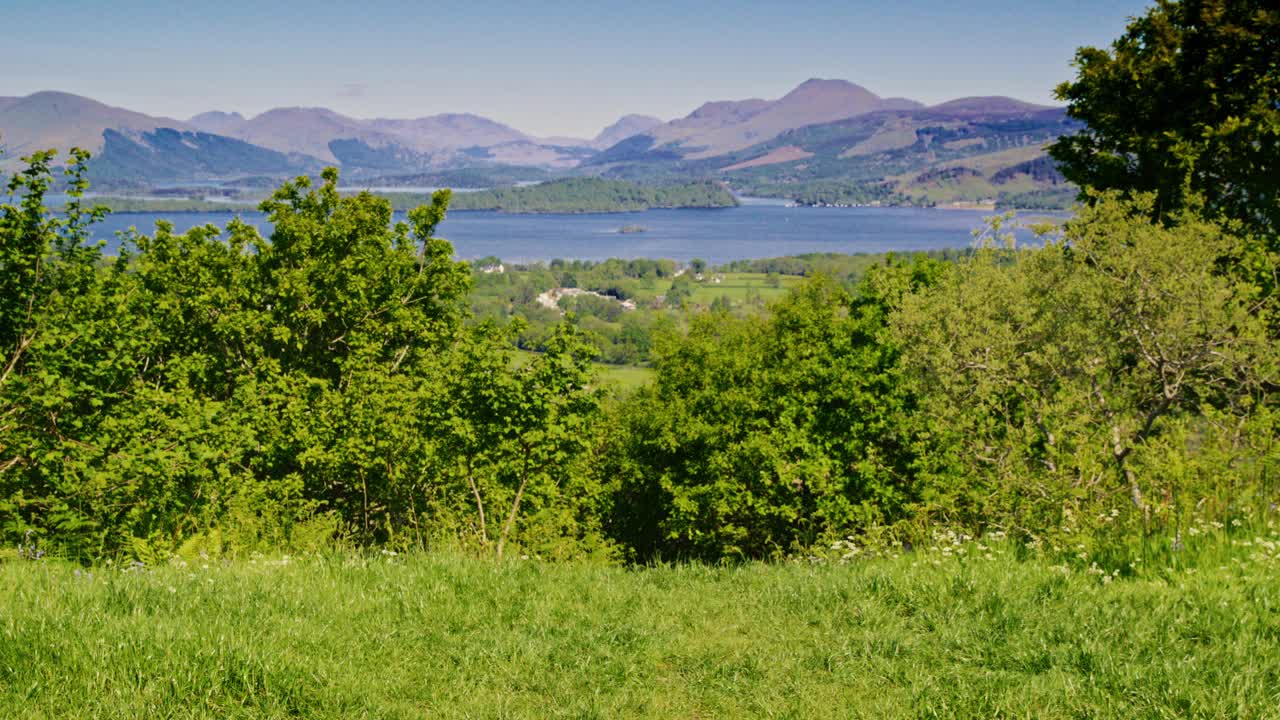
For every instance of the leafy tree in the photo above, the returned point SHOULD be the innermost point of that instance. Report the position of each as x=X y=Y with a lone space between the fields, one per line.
x=764 y=437
x=1184 y=105
x=1065 y=379
x=221 y=388
x=519 y=431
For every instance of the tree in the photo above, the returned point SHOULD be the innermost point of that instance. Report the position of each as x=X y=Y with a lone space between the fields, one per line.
x=515 y=433
x=1071 y=377
x=1185 y=105
x=762 y=437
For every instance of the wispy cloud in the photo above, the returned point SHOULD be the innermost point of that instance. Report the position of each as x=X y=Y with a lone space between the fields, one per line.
x=353 y=90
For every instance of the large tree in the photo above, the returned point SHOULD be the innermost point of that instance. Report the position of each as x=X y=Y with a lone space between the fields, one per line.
x=1185 y=104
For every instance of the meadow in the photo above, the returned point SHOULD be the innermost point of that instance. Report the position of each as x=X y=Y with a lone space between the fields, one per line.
x=958 y=629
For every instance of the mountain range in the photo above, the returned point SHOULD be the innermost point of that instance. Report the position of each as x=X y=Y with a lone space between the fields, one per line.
x=821 y=131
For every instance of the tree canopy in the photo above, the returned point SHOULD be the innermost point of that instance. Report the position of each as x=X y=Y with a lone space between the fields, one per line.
x=1184 y=105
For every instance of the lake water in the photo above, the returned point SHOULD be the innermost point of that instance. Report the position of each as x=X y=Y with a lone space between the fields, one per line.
x=755 y=229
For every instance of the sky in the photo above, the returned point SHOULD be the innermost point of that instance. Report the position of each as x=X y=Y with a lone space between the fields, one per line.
x=547 y=68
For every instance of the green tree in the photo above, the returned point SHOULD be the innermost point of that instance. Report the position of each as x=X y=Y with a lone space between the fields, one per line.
x=1070 y=378
x=516 y=433
x=1185 y=105
x=762 y=437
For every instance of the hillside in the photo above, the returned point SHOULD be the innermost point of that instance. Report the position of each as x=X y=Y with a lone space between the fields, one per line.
x=883 y=156
x=824 y=141
x=307 y=130
x=721 y=127
x=625 y=127
x=450 y=130
x=166 y=155
x=217 y=122
x=61 y=121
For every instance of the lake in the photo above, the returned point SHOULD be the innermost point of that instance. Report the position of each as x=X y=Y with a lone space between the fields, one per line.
x=756 y=229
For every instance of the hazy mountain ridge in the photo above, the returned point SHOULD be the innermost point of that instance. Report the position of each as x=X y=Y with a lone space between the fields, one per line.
x=59 y=120
x=821 y=130
x=307 y=130
x=625 y=127
x=919 y=154
x=216 y=122
x=721 y=127
x=166 y=154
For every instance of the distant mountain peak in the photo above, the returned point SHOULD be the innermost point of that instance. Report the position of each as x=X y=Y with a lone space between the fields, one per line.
x=216 y=121
x=989 y=105
x=62 y=120
x=827 y=85
x=215 y=115
x=625 y=127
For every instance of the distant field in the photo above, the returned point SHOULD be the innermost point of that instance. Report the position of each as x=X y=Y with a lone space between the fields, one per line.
x=967 y=634
x=738 y=287
x=624 y=377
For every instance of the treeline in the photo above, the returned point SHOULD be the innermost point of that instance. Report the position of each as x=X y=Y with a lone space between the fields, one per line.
x=1056 y=198
x=827 y=192
x=172 y=205
x=840 y=266
x=227 y=392
x=583 y=195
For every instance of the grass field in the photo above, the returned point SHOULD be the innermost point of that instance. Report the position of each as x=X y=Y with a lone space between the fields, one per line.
x=623 y=377
x=738 y=287
x=970 y=634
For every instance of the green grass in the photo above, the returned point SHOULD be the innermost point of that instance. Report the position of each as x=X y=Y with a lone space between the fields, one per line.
x=738 y=287
x=444 y=636
x=624 y=377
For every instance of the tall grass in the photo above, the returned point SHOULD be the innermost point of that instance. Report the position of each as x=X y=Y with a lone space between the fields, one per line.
x=963 y=630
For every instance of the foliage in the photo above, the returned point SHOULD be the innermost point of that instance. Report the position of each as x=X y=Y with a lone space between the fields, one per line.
x=586 y=195
x=1110 y=377
x=225 y=385
x=762 y=437
x=1183 y=105
x=827 y=192
x=170 y=205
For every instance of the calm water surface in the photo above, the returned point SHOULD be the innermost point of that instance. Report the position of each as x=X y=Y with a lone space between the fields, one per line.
x=755 y=229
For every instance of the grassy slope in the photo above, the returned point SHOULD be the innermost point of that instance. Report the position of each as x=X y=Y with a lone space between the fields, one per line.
x=925 y=635
x=971 y=188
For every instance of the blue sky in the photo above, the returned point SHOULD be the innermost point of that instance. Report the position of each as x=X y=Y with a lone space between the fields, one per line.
x=549 y=68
